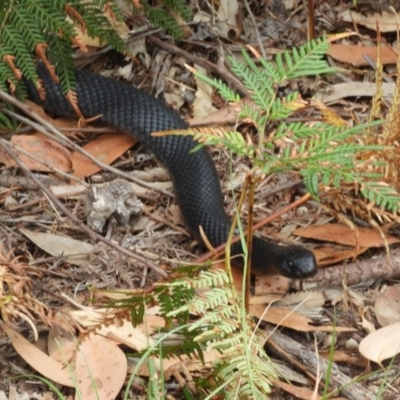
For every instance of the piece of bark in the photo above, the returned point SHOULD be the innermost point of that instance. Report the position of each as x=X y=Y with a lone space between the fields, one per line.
x=312 y=362
x=386 y=266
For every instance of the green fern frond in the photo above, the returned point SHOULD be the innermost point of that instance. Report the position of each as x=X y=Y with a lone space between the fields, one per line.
x=25 y=24
x=15 y=40
x=322 y=153
x=60 y=55
x=31 y=23
x=97 y=24
x=6 y=74
x=268 y=73
x=232 y=140
x=382 y=195
x=161 y=18
x=137 y=313
x=31 y=33
x=6 y=124
x=284 y=108
x=304 y=61
x=179 y=7
x=48 y=16
x=262 y=92
x=255 y=115
x=219 y=328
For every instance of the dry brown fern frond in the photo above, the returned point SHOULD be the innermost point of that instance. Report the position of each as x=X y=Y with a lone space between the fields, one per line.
x=16 y=299
x=346 y=201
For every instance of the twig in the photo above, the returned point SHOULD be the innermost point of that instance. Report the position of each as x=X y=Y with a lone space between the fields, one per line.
x=253 y=20
x=220 y=249
x=220 y=70
x=384 y=265
x=45 y=127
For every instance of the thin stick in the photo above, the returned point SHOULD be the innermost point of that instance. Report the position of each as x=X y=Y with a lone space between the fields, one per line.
x=45 y=127
x=220 y=249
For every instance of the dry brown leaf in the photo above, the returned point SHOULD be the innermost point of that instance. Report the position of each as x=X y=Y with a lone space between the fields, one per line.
x=386 y=21
x=381 y=344
x=290 y=319
x=42 y=148
x=174 y=215
x=355 y=55
x=387 y=306
x=330 y=255
x=77 y=252
x=38 y=360
x=343 y=234
x=297 y=391
x=151 y=323
x=265 y=299
x=227 y=15
x=353 y=89
x=226 y=115
x=100 y=367
x=342 y=356
x=107 y=148
x=136 y=338
x=263 y=285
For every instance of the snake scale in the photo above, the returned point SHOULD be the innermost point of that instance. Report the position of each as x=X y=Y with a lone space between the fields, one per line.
x=194 y=175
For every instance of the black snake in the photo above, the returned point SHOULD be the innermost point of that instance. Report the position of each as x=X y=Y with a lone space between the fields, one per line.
x=194 y=175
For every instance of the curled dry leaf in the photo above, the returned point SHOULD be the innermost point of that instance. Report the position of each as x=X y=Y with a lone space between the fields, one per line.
x=268 y=284
x=381 y=344
x=121 y=331
x=301 y=300
x=227 y=14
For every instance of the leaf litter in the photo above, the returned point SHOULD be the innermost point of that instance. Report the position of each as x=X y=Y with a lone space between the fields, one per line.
x=107 y=269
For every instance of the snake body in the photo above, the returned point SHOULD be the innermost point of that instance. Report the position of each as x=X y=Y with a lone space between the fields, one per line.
x=194 y=175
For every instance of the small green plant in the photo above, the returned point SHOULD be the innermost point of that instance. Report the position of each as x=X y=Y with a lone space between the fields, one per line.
x=42 y=29
x=323 y=153
x=204 y=311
